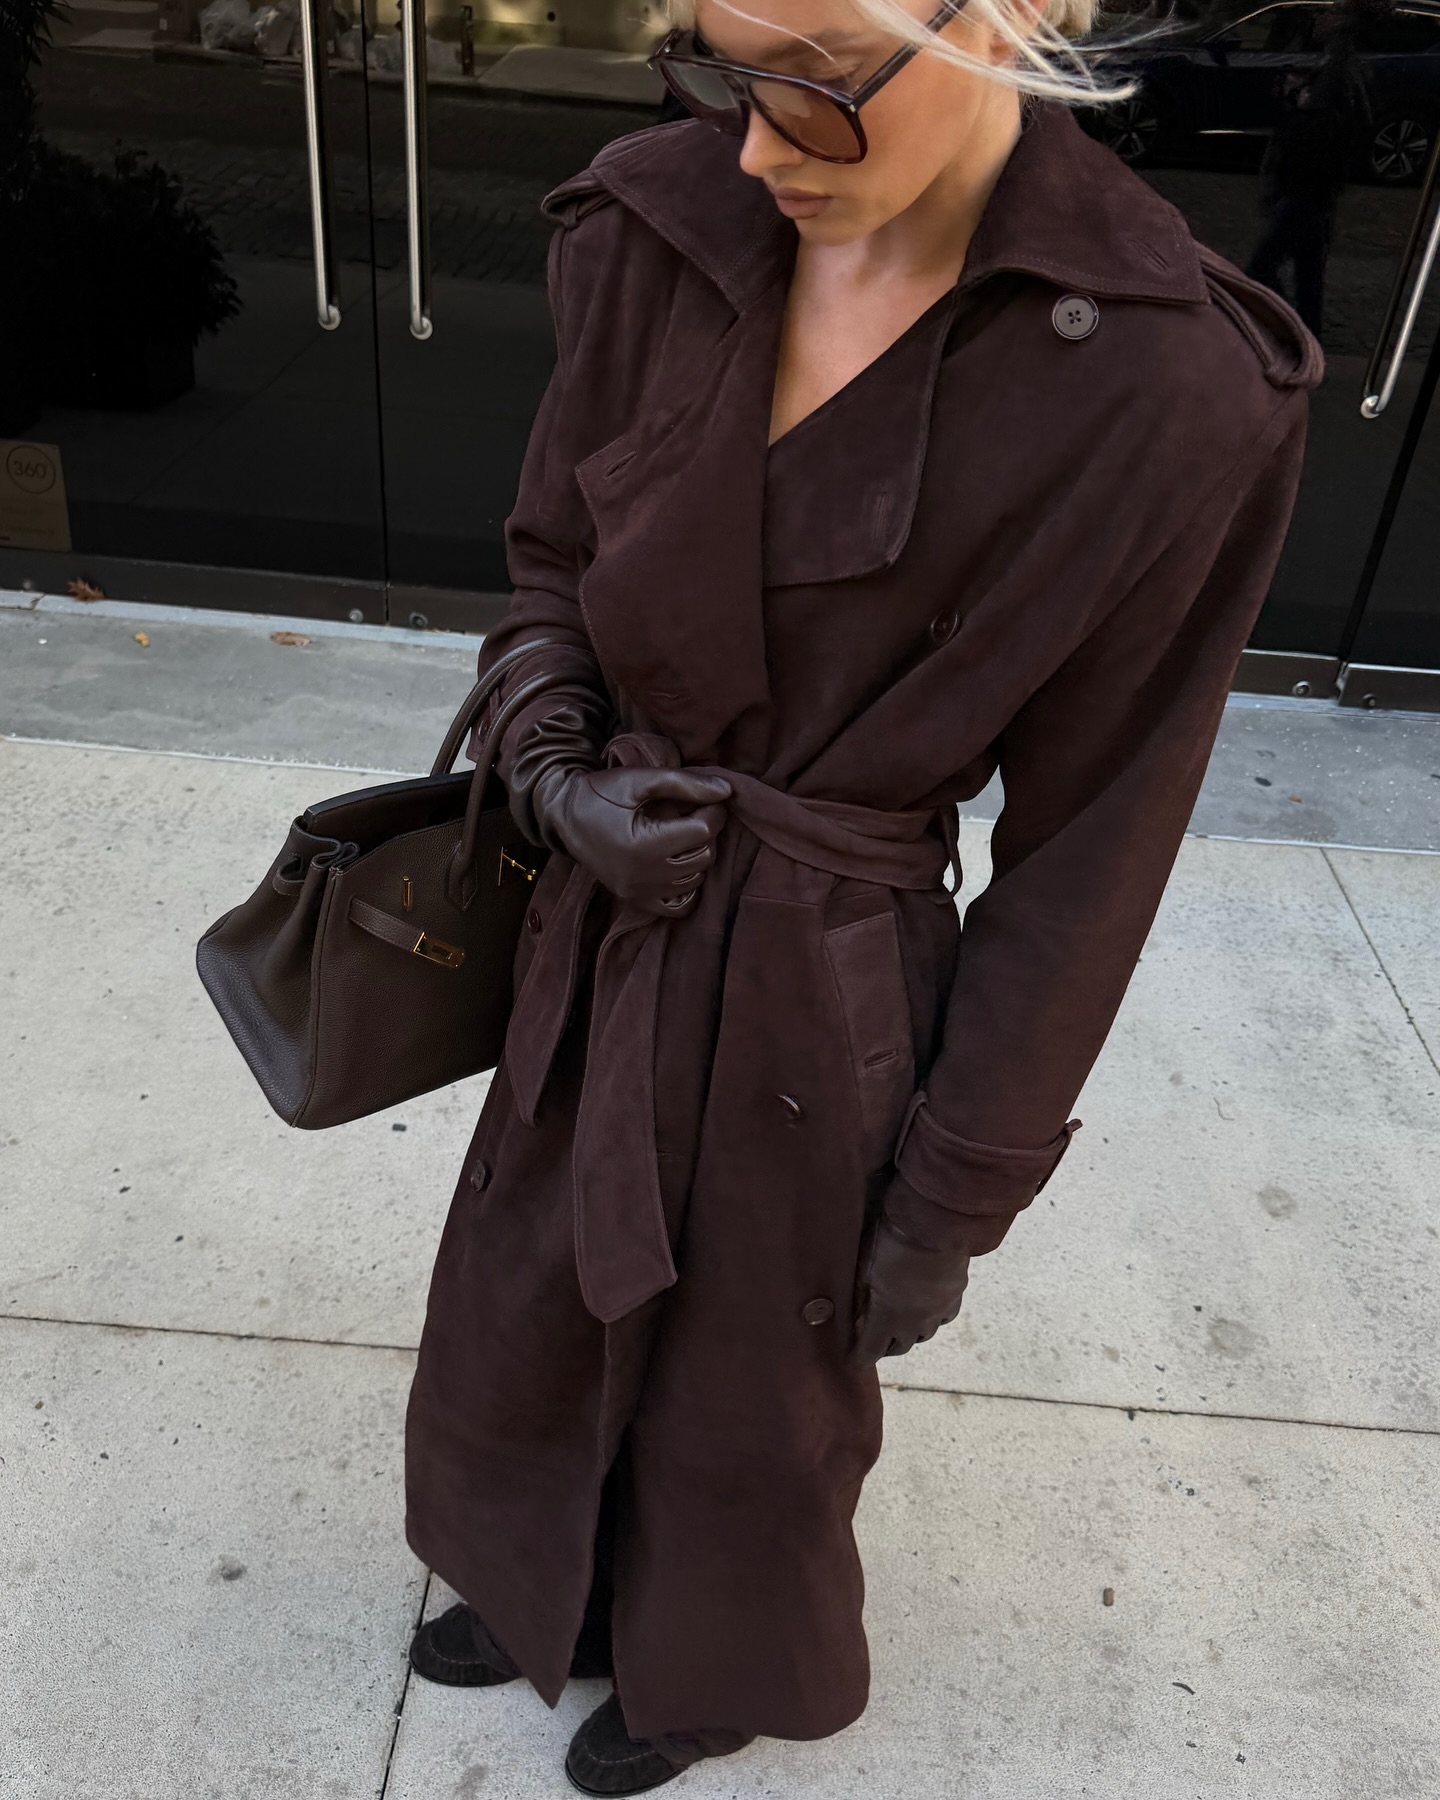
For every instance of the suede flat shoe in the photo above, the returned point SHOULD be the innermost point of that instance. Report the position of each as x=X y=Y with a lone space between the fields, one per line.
x=449 y=1649
x=604 y=1760
x=455 y=1649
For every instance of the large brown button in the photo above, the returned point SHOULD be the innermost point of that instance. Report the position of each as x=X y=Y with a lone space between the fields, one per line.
x=818 y=1312
x=794 y=1111
x=480 y=1177
x=533 y=920
x=943 y=626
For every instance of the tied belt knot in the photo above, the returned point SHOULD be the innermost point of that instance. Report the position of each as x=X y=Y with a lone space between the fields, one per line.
x=622 y=1247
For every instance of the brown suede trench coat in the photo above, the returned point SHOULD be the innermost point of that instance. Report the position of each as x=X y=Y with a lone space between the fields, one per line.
x=998 y=547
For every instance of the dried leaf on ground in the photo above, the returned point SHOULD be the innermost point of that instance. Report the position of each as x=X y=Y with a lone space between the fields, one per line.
x=298 y=638
x=84 y=590
x=142 y=638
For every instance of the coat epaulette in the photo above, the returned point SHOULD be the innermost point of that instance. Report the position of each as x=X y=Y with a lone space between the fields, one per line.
x=1288 y=352
x=574 y=199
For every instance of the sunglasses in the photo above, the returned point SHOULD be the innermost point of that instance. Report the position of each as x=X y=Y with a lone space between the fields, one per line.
x=813 y=117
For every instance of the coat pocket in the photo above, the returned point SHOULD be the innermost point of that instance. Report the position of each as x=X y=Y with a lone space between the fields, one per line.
x=865 y=966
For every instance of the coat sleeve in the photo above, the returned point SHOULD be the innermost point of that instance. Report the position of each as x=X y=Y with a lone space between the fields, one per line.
x=542 y=544
x=1101 y=769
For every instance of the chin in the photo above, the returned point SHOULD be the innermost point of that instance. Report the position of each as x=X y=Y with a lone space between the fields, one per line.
x=837 y=226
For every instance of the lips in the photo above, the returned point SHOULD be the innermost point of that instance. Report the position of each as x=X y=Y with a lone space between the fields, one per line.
x=796 y=203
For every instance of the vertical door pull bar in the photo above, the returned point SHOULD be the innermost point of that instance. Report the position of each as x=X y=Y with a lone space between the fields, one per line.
x=1378 y=391
x=315 y=70
x=417 y=173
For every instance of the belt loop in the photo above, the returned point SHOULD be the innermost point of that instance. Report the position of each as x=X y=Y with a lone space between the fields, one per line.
x=950 y=831
x=1066 y=1132
x=916 y=1102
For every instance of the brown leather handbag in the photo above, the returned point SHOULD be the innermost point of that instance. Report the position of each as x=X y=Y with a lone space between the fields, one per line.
x=373 y=962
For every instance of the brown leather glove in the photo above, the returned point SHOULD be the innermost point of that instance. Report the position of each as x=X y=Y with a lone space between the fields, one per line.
x=648 y=835
x=905 y=1290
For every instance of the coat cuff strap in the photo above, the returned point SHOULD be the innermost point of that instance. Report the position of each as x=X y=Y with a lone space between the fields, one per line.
x=963 y=1176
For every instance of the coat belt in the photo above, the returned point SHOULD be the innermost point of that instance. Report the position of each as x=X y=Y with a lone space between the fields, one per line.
x=622 y=1248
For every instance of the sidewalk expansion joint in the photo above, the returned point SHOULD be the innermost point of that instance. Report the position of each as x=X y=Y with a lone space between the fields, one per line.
x=202 y=1331
x=404 y=1689
x=899 y=1387
x=218 y=756
x=1133 y=1407
x=1400 y=1000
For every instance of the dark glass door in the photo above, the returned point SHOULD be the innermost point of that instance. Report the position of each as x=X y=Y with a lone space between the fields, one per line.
x=511 y=99
x=1296 y=139
x=177 y=424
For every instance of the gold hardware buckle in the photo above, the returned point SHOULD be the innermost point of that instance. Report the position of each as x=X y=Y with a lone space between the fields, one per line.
x=505 y=857
x=449 y=956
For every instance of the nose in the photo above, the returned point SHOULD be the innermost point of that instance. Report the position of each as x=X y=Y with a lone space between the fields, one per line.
x=764 y=151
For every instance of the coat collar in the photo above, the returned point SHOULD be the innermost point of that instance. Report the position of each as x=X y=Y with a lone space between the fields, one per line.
x=1064 y=209
x=673 y=595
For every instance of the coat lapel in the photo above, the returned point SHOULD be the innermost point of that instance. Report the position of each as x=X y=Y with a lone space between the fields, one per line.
x=673 y=595
x=842 y=485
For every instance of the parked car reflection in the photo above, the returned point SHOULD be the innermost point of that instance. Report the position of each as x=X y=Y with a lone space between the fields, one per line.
x=1208 y=82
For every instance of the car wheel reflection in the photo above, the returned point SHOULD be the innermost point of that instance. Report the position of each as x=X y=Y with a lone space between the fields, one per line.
x=1132 y=128
x=1399 y=149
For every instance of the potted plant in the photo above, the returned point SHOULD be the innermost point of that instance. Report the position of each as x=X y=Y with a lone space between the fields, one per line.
x=133 y=278
x=24 y=31
x=117 y=277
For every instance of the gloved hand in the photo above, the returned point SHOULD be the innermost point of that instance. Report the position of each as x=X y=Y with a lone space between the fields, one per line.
x=905 y=1291
x=648 y=835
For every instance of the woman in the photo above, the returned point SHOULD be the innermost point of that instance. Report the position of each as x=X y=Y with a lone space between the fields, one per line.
x=857 y=481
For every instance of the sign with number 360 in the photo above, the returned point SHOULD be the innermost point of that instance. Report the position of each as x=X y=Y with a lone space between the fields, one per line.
x=33 y=511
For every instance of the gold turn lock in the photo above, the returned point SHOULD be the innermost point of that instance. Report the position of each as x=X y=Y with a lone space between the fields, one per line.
x=505 y=857
x=449 y=956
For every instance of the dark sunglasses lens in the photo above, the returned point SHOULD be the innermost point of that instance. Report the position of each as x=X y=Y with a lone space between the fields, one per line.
x=707 y=94
x=808 y=120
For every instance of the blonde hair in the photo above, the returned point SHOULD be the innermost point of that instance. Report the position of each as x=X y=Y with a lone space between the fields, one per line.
x=1046 y=61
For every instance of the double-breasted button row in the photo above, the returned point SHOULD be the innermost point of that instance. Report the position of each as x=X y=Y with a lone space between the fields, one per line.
x=818 y=1312
x=944 y=626
x=480 y=1177
x=794 y=1111
x=534 y=922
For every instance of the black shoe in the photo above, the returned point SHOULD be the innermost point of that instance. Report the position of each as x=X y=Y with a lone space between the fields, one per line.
x=605 y=1760
x=455 y=1648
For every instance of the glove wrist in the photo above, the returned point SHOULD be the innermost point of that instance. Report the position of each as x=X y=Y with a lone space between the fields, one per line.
x=550 y=798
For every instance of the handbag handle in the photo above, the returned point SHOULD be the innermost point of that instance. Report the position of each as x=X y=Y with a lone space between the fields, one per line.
x=474 y=702
x=462 y=877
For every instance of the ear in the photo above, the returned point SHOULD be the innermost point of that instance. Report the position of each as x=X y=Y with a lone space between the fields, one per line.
x=1028 y=13
x=985 y=40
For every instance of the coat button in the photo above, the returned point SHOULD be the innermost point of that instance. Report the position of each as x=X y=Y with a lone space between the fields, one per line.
x=818 y=1312
x=1075 y=315
x=533 y=920
x=794 y=1111
x=943 y=626
x=480 y=1177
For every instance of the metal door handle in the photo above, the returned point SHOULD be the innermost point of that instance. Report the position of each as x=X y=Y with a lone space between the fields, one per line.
x=1378 y=388
x=417 y=173
x=315 y=72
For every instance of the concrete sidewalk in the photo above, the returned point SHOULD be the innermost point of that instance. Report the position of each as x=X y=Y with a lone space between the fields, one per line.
x=1201 y=1374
